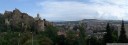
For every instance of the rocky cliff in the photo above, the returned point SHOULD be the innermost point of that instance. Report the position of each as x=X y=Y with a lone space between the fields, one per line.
x=17 y=20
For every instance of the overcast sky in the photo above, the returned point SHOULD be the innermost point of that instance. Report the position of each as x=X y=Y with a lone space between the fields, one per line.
x=65 y=10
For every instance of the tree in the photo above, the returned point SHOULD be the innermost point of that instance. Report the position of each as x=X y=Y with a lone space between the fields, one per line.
x=2 y=23
x=108 y=36
x=92 y=41
x=51 y=32
x=8 y=38
x=122 y=36
x=61 y=40
x=71 y=38
x=24 y=37
x=45 y=41
x=115 y=36
x=82 y=36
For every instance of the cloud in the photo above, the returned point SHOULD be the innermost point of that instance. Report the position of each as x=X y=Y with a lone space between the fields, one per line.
x=115 y=8
x=114 y=2
x=75 y=10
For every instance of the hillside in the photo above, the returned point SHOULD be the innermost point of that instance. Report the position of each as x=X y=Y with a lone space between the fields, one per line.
x=18 y=21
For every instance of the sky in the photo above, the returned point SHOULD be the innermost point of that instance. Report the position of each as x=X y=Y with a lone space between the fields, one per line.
x=70 y=10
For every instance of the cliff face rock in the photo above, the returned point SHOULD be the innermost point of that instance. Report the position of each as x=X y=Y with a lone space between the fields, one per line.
x=21 y=17
x=7 y=14
x=18 y=19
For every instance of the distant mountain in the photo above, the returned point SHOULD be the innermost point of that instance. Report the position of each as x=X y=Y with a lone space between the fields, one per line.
x=91 y=21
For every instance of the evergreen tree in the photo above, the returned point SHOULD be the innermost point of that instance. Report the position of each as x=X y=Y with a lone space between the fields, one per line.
x=122 y=37
x=108 y=36
x=82 y=36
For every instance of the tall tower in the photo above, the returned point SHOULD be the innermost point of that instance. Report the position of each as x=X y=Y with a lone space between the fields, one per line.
x=38 y=17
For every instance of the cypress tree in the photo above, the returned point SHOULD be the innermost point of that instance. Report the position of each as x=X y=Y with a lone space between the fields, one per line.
x=122 y=37
x=108 y=36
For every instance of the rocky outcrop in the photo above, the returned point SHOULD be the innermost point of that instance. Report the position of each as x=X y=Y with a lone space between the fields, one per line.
x=18 y=20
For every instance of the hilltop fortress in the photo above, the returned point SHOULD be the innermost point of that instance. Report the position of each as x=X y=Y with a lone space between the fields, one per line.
x=18 y=21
